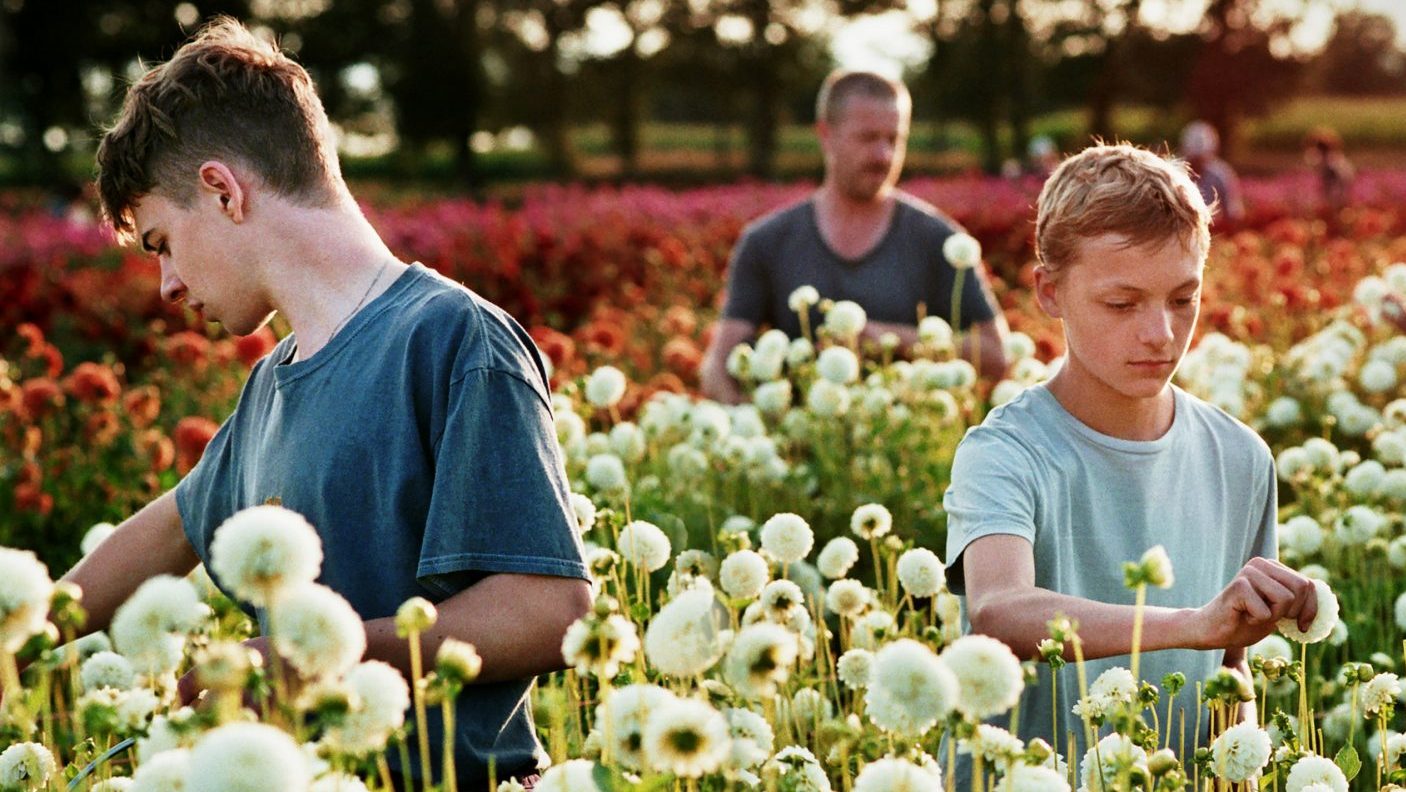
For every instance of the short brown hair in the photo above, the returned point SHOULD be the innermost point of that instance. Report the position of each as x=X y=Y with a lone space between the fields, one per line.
x=226 y=94
x=1119 y=189
x=842 y=84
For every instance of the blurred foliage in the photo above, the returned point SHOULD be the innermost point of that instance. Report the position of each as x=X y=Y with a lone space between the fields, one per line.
x=429 y=87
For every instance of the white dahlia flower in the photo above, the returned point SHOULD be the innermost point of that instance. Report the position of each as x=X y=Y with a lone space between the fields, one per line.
x=909 y=689
x=1323 y=621
x=988 y=675
x=264 y=550
x=317 y=630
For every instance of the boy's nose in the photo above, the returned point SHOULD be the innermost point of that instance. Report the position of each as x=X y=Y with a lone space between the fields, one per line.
x=1157 y=328
x=173 y=289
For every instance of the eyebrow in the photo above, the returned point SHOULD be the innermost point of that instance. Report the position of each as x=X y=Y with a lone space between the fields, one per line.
x=1191 y=283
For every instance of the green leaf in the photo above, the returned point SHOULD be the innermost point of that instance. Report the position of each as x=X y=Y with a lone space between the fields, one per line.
x=1348 y=761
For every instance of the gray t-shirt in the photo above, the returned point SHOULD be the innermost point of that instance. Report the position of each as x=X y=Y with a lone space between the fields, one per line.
x=1088 y=502
x=420 y=444
x=784 y=250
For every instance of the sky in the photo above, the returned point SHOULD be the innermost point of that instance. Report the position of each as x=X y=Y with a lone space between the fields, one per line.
x=884 y=42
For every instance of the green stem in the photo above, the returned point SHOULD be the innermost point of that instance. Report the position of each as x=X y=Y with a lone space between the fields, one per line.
x=421 y=720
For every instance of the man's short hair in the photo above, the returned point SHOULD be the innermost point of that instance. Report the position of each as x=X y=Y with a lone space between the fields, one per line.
x=843 y=84
x=226 y=95
x=1119 y=189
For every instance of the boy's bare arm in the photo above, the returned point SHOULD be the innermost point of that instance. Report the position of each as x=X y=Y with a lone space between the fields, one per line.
x=149 y=543
x=515 y=622
x=1004 y=603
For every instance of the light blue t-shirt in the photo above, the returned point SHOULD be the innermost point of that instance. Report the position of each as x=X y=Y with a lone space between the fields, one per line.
x=1088 y=502
x=419 y=442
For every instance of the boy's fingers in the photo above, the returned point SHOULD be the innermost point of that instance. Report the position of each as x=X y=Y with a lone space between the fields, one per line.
x=1247 y=600
x=1279 y=598
x=1305 y=605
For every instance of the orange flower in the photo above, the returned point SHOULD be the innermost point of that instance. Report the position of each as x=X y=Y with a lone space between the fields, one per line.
x=679 y=321
x=53 y=359
x=189 y=349
x=142 y=405
x=192 y=434
x=93 y=383
x=558 y=347
x=39 y=397
x=603 y=337
x=682 y=357
x=156 y=445
x=102 y=428
x=249 y=349
x=34 y=337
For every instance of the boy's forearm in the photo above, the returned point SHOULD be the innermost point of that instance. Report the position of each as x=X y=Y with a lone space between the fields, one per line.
x=515 y=622
x=149 y=543
x=1021 y=620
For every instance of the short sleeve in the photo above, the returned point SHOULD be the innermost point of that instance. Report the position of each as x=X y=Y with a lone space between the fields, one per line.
x=204 y=497
x=992 y=492
x=748 y=288
x=500 y=502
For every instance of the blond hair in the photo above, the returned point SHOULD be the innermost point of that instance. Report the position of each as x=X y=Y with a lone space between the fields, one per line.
x=841 y=84
x=228 y=95
x=1124 y=190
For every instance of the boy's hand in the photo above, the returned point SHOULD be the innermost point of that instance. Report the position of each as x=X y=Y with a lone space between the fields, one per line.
x=1262 y=593
x=188 y=688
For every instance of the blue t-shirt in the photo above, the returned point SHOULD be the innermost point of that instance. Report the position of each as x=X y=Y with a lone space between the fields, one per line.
x=784 y=250
x=1087 y=502
x=420 y=444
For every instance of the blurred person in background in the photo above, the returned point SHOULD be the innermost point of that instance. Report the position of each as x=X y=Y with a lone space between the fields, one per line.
x=1323 y=151
x=859 y=238
x=1219 y=186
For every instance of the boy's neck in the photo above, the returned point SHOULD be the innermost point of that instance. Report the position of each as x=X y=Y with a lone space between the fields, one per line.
x=332 y=264
x=1108 y=412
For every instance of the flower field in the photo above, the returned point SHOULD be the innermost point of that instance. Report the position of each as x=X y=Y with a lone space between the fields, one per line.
x=771 y=604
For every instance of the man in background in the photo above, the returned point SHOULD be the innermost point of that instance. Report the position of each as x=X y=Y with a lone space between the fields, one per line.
x=859 y=238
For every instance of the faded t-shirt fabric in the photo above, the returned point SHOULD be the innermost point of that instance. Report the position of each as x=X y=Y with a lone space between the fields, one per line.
x=784 y=250
x=420 y=444
x=1088 y=502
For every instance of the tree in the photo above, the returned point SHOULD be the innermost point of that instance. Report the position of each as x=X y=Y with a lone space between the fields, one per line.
x=1236 y=72
x=1361 y=57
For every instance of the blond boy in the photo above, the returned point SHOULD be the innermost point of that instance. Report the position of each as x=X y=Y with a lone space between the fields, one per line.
x=1059 y=487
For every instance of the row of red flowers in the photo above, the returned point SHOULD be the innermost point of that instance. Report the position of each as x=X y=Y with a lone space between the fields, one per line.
x=103 y=385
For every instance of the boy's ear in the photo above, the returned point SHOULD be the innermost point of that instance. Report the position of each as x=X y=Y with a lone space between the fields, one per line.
x=1045 y=291
x=218 y=183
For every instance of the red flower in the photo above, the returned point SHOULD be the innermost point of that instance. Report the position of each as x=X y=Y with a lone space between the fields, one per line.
x=142 y=405
x=33 y=336
x=558 y=347
x=29 y=497
x=192 y=434
x=156 y=445
x=189 y=348
x=102 y=428
x=94 y=383
x=679 y=321
x=249 y=349
x=604 y=337
x=40 y=396
x=682 y=357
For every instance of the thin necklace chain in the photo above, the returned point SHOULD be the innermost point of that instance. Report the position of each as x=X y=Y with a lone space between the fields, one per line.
x=359 y=303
